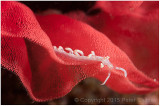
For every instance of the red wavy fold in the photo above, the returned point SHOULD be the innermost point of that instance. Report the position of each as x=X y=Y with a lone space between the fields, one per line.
x=27 y=49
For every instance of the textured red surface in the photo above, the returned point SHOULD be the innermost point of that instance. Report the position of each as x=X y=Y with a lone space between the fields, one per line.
x=27 y=49
x=118 y=7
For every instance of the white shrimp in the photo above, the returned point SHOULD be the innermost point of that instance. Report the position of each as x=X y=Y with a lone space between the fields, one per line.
x=104 y=60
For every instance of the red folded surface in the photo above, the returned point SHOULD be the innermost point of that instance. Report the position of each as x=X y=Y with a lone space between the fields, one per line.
x=27 y=49
x=118 y=7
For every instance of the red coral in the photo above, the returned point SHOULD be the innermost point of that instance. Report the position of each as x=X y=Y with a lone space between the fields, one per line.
x=118 y=7
x=131 y=42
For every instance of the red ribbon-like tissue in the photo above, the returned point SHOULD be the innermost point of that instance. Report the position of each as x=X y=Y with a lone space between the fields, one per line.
x=52 y=53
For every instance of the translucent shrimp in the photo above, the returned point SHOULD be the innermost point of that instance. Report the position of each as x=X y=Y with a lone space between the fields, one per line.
x=78 y=54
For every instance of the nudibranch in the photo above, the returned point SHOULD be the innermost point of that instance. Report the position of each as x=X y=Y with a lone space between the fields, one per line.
x=78 y=54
